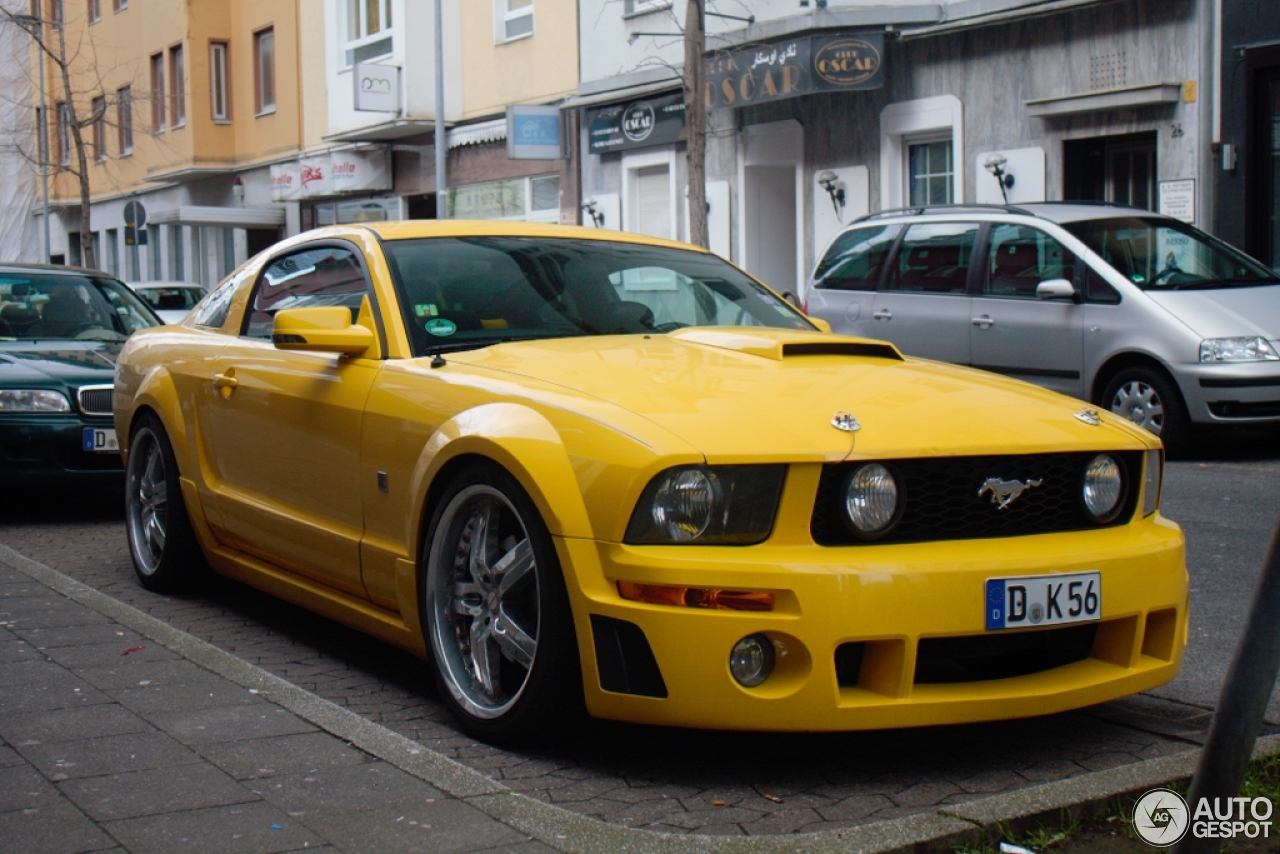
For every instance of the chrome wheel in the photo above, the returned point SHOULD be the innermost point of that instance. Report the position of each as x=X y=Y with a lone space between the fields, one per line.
x=148 y=504
x=1140 y=403
x=483 y=601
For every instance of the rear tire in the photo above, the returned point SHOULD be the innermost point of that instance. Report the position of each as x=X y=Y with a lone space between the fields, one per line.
x=166 y=555
x=496 y=612
x=1150 y=398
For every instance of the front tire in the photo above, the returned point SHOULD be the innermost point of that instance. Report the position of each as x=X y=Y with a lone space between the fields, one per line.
x=496 y=612
x=1149 y=398
x=162 y=544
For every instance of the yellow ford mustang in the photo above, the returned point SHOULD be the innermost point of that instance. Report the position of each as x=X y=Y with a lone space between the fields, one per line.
x=569 y=465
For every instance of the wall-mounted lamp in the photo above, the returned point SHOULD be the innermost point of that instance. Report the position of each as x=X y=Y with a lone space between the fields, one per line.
x=995 y=165
x=827 y=180
x=589 y=206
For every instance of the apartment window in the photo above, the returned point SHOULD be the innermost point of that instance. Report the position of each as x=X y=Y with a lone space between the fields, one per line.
x=42 y=137
x=368 y=30
x=639 y=7
x=64 y=135
x=219 y=95
x=157 y=93
x=264 y=71
x=513 y=19
x=99 y=107
x=178 y=88
x=931 y=173
x=95 y=11
x=119 y=5
x=55 y=12
x=124 y=118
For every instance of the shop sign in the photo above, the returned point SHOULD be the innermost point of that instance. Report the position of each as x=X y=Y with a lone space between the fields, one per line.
x=376 y=88
x=1178 y=199
x=789 y=69
x=329 y=174
x=533 y=133
x=636 y=124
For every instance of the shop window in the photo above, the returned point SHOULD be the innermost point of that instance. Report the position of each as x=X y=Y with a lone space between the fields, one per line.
x=368 y=30
x=513 y=19
x=520 y=199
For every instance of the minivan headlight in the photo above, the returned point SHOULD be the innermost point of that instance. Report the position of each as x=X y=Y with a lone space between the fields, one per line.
x=708 y=505
x=32 y=400
x=1257 y=349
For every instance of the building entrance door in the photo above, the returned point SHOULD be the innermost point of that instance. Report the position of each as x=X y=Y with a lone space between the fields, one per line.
x=1116 y=169
x=770 y=235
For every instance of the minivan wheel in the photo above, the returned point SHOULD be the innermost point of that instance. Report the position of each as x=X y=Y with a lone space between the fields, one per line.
x=162 y=544
x=1150 y=399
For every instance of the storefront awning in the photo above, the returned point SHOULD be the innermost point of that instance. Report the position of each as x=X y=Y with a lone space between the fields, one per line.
x=216 y=217
x=478 y=133
x=1153 y=94
x=384 y=131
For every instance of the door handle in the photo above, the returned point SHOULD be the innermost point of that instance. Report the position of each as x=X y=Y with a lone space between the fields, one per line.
x=883 y=314
x=983 y=321
x=226 y=383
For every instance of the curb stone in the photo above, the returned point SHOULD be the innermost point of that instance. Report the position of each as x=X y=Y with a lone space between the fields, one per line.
x=1086 y=794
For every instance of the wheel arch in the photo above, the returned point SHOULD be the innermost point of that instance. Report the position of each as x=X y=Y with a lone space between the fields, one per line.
x=1119 y=362
x=157 y=395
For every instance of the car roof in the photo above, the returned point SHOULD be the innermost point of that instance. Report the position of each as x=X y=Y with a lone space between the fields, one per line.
x=53 y=269
x=1056 y=212
x=405 y=229
x=166 y=285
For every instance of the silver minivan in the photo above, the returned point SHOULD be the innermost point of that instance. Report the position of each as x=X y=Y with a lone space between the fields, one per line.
x=1140 y=313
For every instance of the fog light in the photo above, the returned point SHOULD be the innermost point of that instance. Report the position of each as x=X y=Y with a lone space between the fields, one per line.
x=751 y=661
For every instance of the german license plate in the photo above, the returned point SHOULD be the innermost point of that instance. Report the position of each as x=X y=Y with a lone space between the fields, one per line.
x=101 y=440
x=1043 y=600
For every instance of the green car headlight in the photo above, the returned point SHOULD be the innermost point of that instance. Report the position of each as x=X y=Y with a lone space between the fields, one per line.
x=1256 y=349
x=708 y=505
x=33 y=400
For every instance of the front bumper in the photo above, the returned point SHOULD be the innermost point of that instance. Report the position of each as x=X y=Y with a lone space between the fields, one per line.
x=1235 y=393
x=47 y=448
x=888 y=598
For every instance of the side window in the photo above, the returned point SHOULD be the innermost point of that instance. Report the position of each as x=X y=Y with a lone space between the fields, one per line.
x=854 y=261
x=934 y=258
x=323 y=276
x=1097 y=290
x=1021 y=257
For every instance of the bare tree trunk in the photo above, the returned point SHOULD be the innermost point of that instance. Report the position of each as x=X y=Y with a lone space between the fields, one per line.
x=77 y=140
x=695 y=122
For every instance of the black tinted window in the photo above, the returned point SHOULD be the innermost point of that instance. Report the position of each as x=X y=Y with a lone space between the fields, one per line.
x=1020 y=258
x=324 y=276
x=854 y=261
x=934 y=258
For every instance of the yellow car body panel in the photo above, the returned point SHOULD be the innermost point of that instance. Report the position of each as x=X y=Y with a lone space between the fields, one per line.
x=311 y=476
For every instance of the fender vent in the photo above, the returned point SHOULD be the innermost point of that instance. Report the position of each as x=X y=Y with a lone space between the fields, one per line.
x=625 y=659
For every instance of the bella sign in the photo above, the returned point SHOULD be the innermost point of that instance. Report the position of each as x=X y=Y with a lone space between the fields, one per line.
x=755 y=75
x=330 y=174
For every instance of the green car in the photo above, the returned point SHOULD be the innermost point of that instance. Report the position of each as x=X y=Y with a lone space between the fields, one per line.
x=60 y=331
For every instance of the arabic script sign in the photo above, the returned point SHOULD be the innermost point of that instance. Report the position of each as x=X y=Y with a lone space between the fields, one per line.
x=754 y=75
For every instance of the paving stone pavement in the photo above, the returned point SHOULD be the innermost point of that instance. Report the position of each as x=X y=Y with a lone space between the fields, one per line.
x=683 y=782
x=111 y=742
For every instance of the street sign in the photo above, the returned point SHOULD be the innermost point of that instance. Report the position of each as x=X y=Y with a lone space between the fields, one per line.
x=135 y=214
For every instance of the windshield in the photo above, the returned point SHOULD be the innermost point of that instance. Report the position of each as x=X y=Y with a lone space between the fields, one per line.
x=1165 y=255
x=170 y=299
x=460 y=293
x=69 y=305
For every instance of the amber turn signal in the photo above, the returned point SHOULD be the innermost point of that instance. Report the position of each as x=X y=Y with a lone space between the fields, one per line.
x=697 y=597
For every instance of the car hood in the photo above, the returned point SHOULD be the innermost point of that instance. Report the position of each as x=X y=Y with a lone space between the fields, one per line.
x=35 y=364
x=1225 y=312
x=737 y=394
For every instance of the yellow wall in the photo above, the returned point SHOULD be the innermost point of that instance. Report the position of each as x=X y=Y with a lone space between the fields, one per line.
x=532 y=70
x=116 y=51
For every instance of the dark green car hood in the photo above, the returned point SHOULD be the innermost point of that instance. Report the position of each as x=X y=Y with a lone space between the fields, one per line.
x=57 y=364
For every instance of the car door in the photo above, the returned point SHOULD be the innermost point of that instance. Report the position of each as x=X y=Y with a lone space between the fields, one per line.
x=285 y=426
x=1012 y=331
x=923 y=303
x=846 y=279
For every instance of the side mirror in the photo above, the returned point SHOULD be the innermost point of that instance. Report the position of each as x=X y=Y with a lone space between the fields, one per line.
x=1055 y=289
x=327 y=330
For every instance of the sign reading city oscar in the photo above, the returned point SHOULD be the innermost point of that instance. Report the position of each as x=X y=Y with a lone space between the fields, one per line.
x=375 y=87
x=636 y=124
x=759 y=74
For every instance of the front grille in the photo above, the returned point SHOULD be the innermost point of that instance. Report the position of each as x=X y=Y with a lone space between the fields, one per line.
x=95 y=400
x=942 y=503
x=978 y=658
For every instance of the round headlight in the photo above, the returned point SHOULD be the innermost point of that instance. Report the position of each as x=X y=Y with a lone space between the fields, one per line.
x=871 y=500
x=685 y=504
x=751 y=660
x=1103 y=488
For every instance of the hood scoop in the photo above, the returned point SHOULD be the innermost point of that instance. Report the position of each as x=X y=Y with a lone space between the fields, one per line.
x=779 y=344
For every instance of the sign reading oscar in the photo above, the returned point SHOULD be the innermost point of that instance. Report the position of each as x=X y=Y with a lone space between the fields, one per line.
x=755 y=75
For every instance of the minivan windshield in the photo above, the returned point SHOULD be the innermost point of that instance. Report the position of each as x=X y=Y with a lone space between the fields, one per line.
x=468 y=292
x=1166 y=255
x=69 y=305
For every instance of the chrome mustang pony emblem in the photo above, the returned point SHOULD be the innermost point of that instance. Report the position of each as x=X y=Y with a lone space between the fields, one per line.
x=1005 y=492
x=846 y=422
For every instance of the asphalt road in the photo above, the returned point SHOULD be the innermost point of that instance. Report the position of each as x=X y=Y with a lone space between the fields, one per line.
x=1227 y=499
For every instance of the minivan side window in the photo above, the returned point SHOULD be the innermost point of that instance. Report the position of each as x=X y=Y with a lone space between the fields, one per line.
x=934 y=258
x=323 y=276
x=1020 y=257
x=855 y=259
x=1097 y=290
